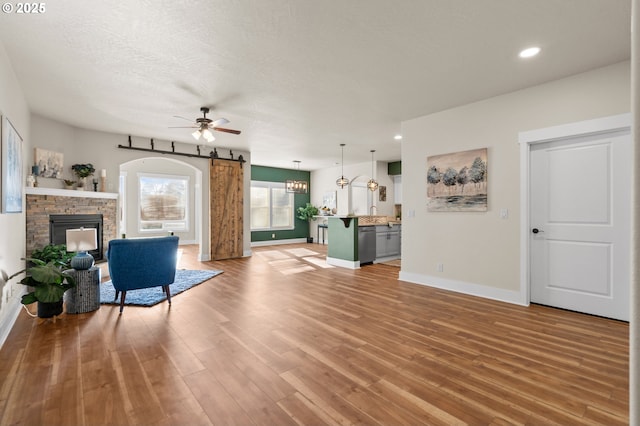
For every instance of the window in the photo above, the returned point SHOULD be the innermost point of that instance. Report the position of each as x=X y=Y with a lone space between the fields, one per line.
x=163 y=202
x=271 y=206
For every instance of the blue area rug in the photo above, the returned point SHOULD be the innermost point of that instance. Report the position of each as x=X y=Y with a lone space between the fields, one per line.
x=185 y=279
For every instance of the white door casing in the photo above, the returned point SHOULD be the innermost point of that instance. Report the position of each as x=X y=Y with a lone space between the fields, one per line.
x=578 y=181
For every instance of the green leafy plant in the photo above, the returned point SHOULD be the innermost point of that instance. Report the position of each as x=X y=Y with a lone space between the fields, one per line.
x=48 y=280
x=83 y=170
x=69 y=182
x=307 y=212
x=56 y=253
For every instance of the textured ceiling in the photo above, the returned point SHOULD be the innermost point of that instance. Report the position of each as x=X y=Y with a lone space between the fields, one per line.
x=298 y=77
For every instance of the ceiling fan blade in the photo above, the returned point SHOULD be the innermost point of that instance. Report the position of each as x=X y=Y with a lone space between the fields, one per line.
x=179 y=116
x=183 y=127
x=222 y=129
x=219 y=122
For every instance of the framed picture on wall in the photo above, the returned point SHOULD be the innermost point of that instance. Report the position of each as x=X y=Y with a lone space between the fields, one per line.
x=50 y=163
x=382 y=193
x=457 y=181
x=11 y=168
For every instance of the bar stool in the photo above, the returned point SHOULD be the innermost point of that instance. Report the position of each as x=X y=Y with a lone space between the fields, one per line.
x=322 y=226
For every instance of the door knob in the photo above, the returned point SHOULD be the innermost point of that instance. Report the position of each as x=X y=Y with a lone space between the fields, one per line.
x=536 y=230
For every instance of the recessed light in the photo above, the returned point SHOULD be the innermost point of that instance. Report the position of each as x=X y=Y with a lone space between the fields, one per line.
x=529 y=52
x=398 y=137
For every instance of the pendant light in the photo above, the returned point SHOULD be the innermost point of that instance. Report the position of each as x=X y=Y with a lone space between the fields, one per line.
x=342 y=181
x=296 y=186
x=372 y=184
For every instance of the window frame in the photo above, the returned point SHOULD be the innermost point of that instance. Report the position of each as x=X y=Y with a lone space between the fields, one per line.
x=271 y=186
x=165 y=228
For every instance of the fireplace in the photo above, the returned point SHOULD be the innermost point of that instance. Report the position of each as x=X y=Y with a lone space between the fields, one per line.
x=59 y=223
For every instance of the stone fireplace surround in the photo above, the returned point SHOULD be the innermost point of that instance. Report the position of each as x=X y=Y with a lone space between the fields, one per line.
x=43 y=202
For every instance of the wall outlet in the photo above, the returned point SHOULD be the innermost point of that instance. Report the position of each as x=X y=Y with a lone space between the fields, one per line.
x=440 y=267
x=273 y=236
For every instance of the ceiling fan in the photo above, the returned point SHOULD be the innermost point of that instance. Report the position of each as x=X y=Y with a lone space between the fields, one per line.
x=204 y=126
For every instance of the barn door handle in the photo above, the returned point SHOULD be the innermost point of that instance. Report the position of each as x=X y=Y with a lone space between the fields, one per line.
x=536 y=230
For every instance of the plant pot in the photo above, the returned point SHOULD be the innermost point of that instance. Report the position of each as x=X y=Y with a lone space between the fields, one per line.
x=49 y=309
x=310 y=240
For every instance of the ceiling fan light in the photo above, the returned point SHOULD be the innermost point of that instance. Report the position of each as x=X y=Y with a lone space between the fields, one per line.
x=196 y=134
x=208 y=135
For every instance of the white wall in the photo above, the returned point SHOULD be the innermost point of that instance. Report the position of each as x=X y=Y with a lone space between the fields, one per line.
x=101 y=150
x=325 y=180
x=13 y=105
x=479 y=251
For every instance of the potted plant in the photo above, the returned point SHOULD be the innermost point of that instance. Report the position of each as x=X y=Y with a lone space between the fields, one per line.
x=83 y=171
x=48 y=282
x=68 y=183
x=56 y=253
x=307 y=213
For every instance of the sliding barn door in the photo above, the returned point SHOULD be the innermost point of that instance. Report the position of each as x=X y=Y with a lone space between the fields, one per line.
x=226 y=195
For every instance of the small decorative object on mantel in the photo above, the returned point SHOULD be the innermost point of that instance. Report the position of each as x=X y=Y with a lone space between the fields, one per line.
x=83 y=171
x=68 y=183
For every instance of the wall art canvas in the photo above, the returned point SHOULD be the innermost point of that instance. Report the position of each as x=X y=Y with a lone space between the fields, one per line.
x=457 y=182
x=50 y=163
x=382 y=193
x=11 y=168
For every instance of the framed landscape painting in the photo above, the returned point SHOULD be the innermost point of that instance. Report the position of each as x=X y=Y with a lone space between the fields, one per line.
x=457 y=182
x=11 y=168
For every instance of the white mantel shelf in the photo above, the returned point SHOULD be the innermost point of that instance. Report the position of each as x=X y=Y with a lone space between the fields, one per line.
x=69 y=193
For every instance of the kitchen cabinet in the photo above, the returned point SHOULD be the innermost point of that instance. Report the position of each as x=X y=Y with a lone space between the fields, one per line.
x=387 y=241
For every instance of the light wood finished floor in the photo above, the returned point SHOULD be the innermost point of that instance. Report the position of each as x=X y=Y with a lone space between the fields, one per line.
x=281 y=338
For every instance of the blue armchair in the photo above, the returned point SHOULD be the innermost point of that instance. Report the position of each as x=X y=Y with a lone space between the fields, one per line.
x=142 y=263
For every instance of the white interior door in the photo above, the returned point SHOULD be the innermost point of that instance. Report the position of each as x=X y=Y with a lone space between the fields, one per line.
x=580 y=218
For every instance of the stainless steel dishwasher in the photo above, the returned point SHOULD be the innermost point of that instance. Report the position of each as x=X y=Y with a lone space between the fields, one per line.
x=366 y=244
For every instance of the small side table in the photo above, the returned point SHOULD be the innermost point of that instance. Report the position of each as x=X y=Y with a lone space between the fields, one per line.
x=85 y=296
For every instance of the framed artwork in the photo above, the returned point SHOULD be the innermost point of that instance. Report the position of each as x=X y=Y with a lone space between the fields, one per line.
x=329 y=200
x=457 y=182
x=382 y=191
x=50 y=163
x=11 y=168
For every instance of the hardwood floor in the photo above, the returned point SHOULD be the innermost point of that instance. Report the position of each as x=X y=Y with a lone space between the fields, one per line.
x=282 y=338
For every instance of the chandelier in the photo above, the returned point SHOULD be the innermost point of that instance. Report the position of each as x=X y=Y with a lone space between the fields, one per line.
x=342 y=181
x=296 y=186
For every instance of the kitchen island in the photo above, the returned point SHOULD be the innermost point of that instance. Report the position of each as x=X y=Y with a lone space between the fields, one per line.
x=357 y=240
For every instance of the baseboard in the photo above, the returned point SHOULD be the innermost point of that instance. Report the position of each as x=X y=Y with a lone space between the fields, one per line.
x=343 y=263
x=11 y=312
x=502 y=295
x=278 y=242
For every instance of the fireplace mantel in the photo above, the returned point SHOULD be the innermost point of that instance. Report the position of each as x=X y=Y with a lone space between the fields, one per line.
x=69 y=193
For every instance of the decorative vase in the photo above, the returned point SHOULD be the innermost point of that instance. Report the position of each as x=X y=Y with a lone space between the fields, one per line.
x=49 y=309
x=81 y=183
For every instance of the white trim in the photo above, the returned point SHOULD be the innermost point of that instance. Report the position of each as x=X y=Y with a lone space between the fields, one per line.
x=278 y=242
x=526 y=140
x=69 y=193
x=202 y=257
x=333 y=261
x=10 y=315
x=472 y=289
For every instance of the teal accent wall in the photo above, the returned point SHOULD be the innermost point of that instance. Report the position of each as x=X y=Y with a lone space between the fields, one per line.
x=344 y=239
x=273 y=174
x=394 y=168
